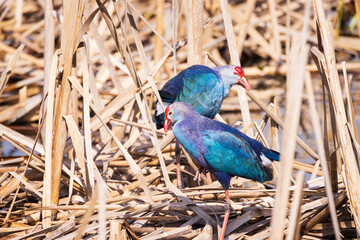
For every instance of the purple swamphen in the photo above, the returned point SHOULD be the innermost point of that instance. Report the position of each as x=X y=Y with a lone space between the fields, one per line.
x=203 y=88
x=219 y=148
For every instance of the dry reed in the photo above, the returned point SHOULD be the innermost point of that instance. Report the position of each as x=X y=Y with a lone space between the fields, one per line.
x=85 y=77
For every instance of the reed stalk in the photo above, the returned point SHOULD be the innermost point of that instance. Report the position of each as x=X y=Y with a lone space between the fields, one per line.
x=93 y=99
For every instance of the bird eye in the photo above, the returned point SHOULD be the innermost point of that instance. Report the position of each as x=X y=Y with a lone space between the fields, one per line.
x=170 y=113
x=240 y=71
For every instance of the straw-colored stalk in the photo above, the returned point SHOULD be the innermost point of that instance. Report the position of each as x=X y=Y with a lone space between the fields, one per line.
x=175 y=20
x=351 y=174
x=287 y=155
x=319 y=142
x=235 y=59
x=244 y=25
x=48 y=49
x=278 y=120
x=275 y=28
x=25 y=56
x=19 y=12
x=86 y=121
x=158 y=51
x=72 y=17
x=299 y=56
x=195 y=31
x=7 y=73
x=49 y=42
x=49 y=121
x=350 y=104
x=133 y=166
x=294 y=224
x=357 y=10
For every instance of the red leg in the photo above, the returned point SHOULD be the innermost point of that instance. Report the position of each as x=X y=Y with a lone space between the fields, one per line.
x=226 y=216
x=178 y=172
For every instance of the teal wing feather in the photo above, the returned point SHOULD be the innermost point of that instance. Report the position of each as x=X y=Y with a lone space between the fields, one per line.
x=233 y=155
x=203 y=91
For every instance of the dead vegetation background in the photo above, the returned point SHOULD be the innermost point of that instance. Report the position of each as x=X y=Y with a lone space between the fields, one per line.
x=81 y=157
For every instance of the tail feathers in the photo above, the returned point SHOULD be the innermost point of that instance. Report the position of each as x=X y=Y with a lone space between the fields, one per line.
x=272 y=155
x=267 y=156
x=268 y=174
x=159 y=120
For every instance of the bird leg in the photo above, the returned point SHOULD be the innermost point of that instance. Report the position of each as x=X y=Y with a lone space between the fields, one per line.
x=197 y=175
x=177 y=159
x=226 y=216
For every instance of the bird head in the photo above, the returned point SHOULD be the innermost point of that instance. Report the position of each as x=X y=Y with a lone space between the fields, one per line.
x=242 y=80
x=168 y=119
x=232 y=74
x=177 y=112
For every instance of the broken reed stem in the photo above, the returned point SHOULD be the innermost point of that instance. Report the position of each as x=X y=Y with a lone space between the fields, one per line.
x=195 y=31
x=133 y=166
x=72 y=16
x=294 y=224
x=175 y=19
x=320 y=146
x=86 y=121
x=287 y=156
x=176 y=191
x=244 y=25
x=275 y=28
x=235 y=59
x=7 y=73
x=158 y=50
x=102 y=192
x=138 y=141
x=357 y=10
x=49 y=120
x=281 y=124
x=299 y=56
x=351 y=175
x=48 y=42
x=350 y=105
x=275 y=140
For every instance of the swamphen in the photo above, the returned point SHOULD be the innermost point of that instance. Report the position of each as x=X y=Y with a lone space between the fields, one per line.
x=203 y=88
x=219 y=148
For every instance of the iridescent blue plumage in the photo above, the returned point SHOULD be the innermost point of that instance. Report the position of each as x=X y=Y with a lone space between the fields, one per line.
x=219 y=148
x=201 y=87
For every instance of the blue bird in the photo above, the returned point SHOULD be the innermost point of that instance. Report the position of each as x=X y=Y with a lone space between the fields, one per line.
x=202 y=87
x=219 y=148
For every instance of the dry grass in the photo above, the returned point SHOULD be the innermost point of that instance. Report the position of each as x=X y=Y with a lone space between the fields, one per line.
x=77 y=88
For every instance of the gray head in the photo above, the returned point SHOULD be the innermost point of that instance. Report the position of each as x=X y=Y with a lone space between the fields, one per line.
x=231 y=74
x=177 y=112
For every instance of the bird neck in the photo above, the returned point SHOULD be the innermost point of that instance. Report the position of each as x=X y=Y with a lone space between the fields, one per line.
x=227 y=86
x=226 y=81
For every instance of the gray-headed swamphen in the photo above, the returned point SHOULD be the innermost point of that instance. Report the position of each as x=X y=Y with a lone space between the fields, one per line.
x=203 y=88
x=219 y=148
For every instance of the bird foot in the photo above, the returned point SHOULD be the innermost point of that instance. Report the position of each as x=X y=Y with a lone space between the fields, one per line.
x=197 y=175
x=227 y=207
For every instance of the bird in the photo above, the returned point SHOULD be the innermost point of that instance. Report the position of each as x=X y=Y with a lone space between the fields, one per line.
x=203 y=88
x=220 y=149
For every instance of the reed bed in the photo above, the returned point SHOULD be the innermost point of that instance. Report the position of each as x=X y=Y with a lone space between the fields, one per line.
x=82 y=159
